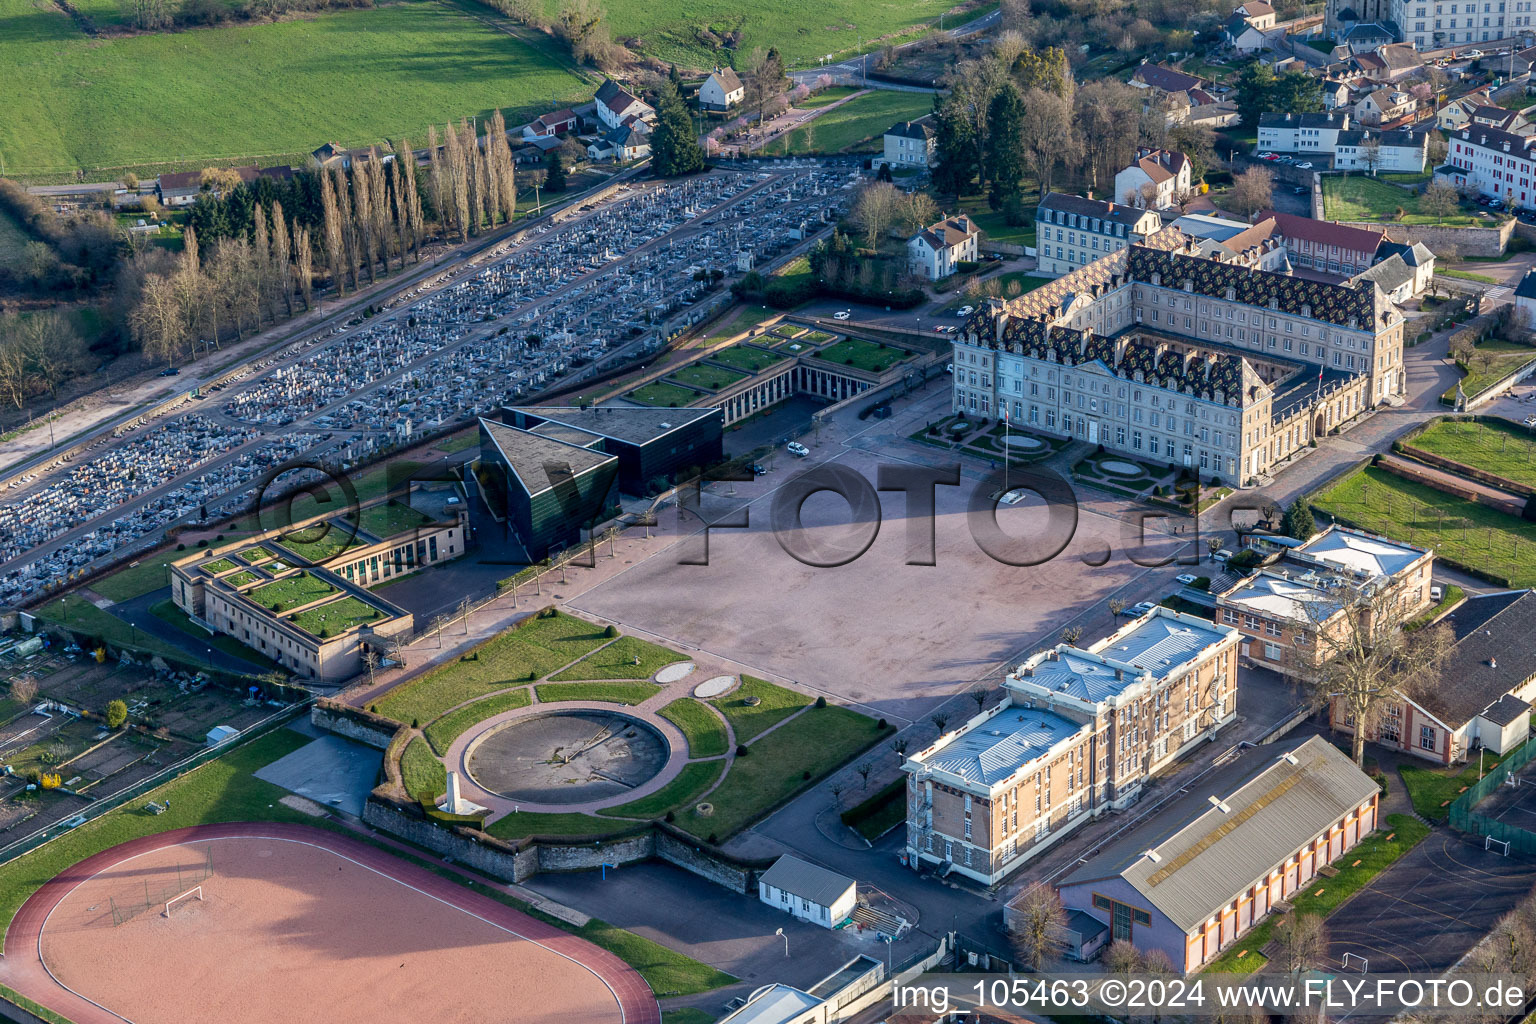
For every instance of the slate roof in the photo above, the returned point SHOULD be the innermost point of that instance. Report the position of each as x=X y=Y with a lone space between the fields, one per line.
x=1489 y=137
x=1391 y=273
x=997 y=748
x=1527 y=287
x=1166 y=79
x=1416 y=255
x=1206 y=856
x=1402 y=139
x=1493 y=655
x=919 y=129
x=536 y=461
x=810 y=882
x=1281 y=119
x=1118 y=213
x=948 y=232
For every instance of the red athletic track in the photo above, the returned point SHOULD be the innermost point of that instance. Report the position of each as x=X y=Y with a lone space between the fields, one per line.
x=22 y=968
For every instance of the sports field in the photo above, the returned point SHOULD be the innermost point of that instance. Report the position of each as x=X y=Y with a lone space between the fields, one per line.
x=272 y=91
x=355 y=935
x=855 y=126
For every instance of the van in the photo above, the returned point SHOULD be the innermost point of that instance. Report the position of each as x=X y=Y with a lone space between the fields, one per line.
x=1221 y=556
x=1436 y=593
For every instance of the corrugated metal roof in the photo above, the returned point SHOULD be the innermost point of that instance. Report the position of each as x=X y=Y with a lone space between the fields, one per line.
x=808 y=881
x=998 y=747
x=1205 y=856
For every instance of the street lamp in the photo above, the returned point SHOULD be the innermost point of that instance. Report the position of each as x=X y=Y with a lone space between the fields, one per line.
x=780 y=932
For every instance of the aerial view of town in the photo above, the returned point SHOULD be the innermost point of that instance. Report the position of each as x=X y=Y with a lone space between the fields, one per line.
x=921 y=512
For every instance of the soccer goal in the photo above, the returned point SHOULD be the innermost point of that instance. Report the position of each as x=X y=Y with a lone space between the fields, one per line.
x=1355 y=958
x=1512 y=780
x=1499 y=846
x=196 y=892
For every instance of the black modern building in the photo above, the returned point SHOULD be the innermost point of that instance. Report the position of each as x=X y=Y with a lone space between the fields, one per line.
x=550 y=488
x=655 y=447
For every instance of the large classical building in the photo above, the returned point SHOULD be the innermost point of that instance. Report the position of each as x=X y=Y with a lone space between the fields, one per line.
x=1161 y=352
x=1492 y=162
x=1077 y=734
x=1072 y=231
x=1363 y=25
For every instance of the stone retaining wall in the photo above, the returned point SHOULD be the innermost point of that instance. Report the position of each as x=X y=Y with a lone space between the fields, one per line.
x=1489 y=241
x=368 y=729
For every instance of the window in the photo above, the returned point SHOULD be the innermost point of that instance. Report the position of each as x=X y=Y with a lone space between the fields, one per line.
x=1427 y=737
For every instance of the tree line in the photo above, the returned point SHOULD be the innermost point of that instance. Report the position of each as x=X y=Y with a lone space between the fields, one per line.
x=161 y=15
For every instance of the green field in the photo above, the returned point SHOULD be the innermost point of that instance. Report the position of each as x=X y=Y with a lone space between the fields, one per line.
x=706 y=736
x=335 y=617
x=613 y=693
x=291 y=592
x=517 y=656
x=826 y=97
x=775 y=703
x=13 y=241
x=862 y=355
x=1472 y=534
x=1368 y=199
x=391 y=518
x=659 y=392
x=1507 y=357
x=275 y=90
x=1498 y=447
x=627 y=657
x=445 y=730
x=710 y=378
x=747 y=359
x=689 y=785
x=856 y=126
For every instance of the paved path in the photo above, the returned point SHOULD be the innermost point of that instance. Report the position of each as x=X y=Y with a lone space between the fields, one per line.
x=1460 y=482
x=24 y=970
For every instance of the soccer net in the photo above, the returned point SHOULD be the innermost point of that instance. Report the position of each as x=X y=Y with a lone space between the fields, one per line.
x=194 y=893
x=1359 y=962
x=1499 y=846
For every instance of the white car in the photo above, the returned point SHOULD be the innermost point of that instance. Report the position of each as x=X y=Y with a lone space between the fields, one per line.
x=1136 y=611
x=1472 y=55
x=841 y=314
x=1436 y=593
x=1186 y=578
x=1012 y=498
x=1304 y=166
x=797 y=449
x=965 y=311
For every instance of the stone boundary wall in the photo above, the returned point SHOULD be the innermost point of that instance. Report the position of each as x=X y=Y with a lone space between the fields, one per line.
x=1468 y=241
x=1407 y=472
x=1406 y=447
x=368 y=729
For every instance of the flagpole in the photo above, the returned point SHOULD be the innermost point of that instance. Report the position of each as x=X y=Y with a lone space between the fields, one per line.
x=1007 y=423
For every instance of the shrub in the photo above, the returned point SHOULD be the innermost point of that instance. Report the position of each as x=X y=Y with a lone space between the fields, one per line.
x=669 y=816
x=611 y=632
x=741 y=750
x=806 y=776
x=117 y=714
x=181 y=547
x=713 y=839
x=882 y=725
x=415 y=723
x=202 y=543
x=821 y=702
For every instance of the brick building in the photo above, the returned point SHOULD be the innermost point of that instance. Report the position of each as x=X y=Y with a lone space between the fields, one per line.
x=1077 y=734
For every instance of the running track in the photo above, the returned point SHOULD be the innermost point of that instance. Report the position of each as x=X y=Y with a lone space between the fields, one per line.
x=22 y=968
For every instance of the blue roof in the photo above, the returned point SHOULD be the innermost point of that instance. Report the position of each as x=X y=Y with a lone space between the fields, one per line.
x=1160 y=645
x=995 y=749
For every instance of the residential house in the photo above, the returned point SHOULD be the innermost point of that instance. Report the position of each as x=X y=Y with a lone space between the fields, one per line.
x=1154 y=180
x=808 y=891
x=1389 y=152
x=1244 y=30
x=1365 y=36
x=722 y=90
x=1525 y=301
x=1494 y=116
x=1078 y=733
x=1384 y=106
x=1389 y=63
x=1523 y=61
x=537 y=150
x=1483 y=695
x=1072 y=231
x=1457 y=113
x=622 y=144
x=1227 y=850
x=549 y=125
x=1325 y=246
x=1492 y=162
x=616 y=106
x=1417 y=257
x=1172 y=91
x=938 y=250
x=910 y=144
x=181 y=188
x=1301 y=133
x=1337 y=92
x=1393 y=276
x=1292 y=612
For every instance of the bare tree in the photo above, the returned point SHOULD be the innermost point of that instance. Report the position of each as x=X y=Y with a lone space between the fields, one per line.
x=1252 y=191
x=1440 y=198
x=837 y=789
x=1071 y=634
x=1302 y=940
x=1037 y=925
x=1122 y=958
x=24 y=689
x=864 y=768
x=899 y=747
x=1360 y=658
x=876 y=209
x=939 y=719
x=1116 y=606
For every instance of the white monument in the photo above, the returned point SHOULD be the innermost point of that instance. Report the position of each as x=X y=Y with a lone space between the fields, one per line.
x=453 y=802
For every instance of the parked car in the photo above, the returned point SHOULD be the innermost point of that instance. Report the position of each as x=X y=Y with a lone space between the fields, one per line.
x=170 y=371
x=1436 y=592
x=1301 y=190
x=1186 y=578
x=1222 y=556
x=1136 y=611
x=1305 y=166
x=797 y=449
x=757 y=469
x=1472 y=55
x=1012 y=498
x=965 y=311
x=1266 y=155
x=841 y=314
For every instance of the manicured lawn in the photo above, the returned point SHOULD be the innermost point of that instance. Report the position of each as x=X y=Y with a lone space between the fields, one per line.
x=81 y=102
x=627 y=657
x=1026 y=283
x=747 y=359
x=218 y=565
x=291 y=591
x=831 y=94
x=240 y=579
x=1470 y=533
x=815 y=743
x=862 y=355
x=257 y=555
x=335 y=617
x=775 y=704
x=1433 y=790
x=516 y=656
x=1366 y=199
x=615 y=693
x=710 y=378
x=686 y=1015
x=323 y=541
x=422 y=773
x=445 y=730
x=222 y=790
x=994 y=224
x=1467 y=275
x=136 y=581
x=878 y=814
x=521 y=824
x=682 y=791
x=1375 y=853
x=706 y=735
x=390 y=518
x=856 y=126
x=1496 y=446
x=666 y=971
x=1506 y=358
x=663 y=394
x=745 y=318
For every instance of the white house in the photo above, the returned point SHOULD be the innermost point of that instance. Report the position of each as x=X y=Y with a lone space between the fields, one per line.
x=1525 y=301
x=1397 y=152
x=615 y=106
x=1245 y=28
x=910 y=144
x=808 y=891
x=622 y=144
x=1301 y=133
x=1073 y=231
x=549 y=125
x=936 y=251
x=1154 y=180
x=1384 y=106
x=722 y=90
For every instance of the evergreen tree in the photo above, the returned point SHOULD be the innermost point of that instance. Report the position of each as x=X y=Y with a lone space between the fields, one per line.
x=955 y=147
x=1005 y=146
x=554 y=172
x=675 y=147
x=1298 y=520
x=1253 y=93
